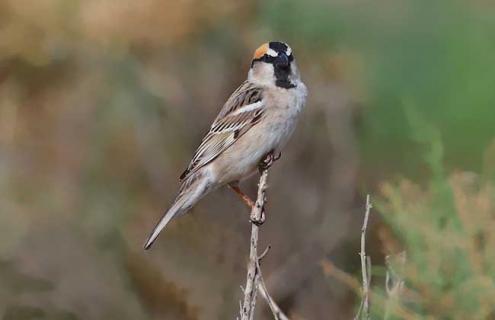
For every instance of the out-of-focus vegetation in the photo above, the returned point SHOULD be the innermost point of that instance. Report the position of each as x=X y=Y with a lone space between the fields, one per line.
x=102 y=103
x=446 y=229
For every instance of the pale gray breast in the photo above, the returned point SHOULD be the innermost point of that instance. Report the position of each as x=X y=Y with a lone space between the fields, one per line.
x=283 y=110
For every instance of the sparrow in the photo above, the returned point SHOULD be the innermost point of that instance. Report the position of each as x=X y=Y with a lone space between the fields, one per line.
x=252 y=127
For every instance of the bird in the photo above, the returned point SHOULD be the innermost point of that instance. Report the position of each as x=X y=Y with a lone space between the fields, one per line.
x=249 y=132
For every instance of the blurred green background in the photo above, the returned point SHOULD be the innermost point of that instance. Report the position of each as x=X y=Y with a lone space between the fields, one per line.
x=102 y=103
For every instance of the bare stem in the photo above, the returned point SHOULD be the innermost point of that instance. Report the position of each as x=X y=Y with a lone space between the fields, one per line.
x=254 y=278
x=363 y=312
x=278 y=314
x=253 y=275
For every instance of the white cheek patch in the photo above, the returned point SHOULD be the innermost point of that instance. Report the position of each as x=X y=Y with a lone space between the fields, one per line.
x=289 y=51
x=271 y=52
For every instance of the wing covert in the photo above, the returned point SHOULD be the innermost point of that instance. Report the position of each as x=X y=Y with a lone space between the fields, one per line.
x=241 y=112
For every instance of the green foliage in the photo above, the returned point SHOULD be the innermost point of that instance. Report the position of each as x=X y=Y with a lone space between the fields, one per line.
x=446 y=229
x=437 y=57
x=448 y=236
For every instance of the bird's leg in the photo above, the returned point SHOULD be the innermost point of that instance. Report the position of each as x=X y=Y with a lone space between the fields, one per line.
x=244 y=197
x=269 y=159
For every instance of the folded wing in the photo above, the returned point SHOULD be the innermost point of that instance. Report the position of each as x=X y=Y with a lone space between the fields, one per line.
x=240 y=113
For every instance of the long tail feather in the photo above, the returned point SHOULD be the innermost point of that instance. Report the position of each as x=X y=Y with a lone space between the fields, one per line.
x=192 y=190
x=172 y=212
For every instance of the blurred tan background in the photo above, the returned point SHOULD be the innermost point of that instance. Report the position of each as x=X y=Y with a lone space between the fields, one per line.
x=102 y=103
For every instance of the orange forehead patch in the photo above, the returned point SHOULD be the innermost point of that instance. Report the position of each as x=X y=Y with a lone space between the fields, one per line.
x=261 y=51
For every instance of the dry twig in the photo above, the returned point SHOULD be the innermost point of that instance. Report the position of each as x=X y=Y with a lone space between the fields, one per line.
x=254 y=279
x=278 y=314
x=394 y=282
x=363 y=311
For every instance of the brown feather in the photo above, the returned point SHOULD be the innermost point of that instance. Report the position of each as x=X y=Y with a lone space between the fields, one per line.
x=228 y=127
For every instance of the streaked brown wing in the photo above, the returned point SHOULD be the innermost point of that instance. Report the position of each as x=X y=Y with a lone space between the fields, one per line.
x=241 y=112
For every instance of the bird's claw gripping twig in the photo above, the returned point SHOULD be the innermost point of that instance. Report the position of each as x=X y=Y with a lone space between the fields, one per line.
x=258 y=221
x=268 y=161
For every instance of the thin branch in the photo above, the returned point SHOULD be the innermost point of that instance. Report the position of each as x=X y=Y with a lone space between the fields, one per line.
x=363 y=311
x=331 y=270
x=253 y=276
x=265 y=252
x=278 y=314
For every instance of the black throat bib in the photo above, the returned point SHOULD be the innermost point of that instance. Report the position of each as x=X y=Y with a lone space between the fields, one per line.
x=282 y=77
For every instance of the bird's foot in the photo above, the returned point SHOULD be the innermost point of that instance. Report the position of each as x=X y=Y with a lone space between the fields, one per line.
x=268 y=161
x=258 y=221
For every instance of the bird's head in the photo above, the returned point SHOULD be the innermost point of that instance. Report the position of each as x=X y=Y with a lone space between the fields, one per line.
x=273 y=64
